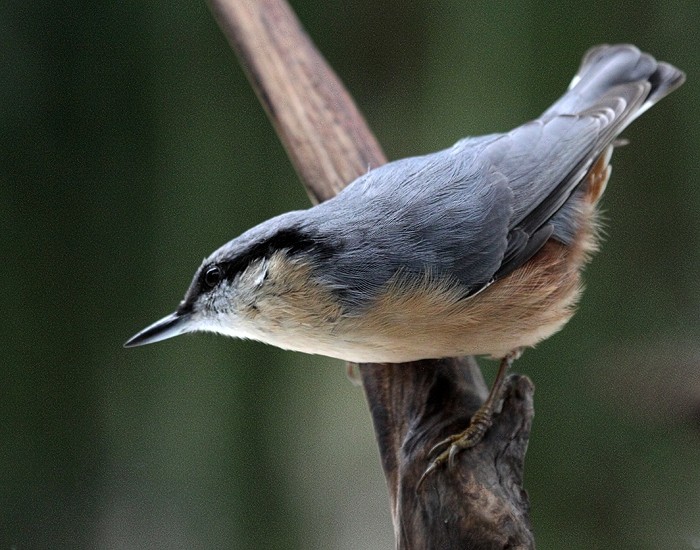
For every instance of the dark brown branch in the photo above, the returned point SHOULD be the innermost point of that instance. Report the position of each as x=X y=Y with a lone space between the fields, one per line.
x=480 y=503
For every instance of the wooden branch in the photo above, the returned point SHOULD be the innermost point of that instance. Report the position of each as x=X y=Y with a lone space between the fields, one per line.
x=480 y=502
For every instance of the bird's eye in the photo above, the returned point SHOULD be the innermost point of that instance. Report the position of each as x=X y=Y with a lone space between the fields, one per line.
x=212 y=276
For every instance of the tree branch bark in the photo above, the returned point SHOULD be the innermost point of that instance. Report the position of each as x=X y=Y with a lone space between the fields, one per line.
x=480 y=503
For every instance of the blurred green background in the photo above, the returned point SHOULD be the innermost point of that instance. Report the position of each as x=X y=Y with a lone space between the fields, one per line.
x=132 y=146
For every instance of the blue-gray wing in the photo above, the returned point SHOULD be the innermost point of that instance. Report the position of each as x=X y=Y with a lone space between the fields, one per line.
x=474 y=212
x=546 y=160
x=484 y=207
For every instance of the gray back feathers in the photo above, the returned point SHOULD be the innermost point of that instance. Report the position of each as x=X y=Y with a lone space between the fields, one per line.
x=482 y=208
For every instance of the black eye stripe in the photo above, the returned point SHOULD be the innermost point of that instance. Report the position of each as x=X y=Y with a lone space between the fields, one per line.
x=229 y=266
x=292 y=241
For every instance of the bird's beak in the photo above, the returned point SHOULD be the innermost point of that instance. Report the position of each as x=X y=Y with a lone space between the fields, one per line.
x=172 y=325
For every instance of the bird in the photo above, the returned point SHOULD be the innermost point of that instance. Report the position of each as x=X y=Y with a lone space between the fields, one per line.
x=477 y=249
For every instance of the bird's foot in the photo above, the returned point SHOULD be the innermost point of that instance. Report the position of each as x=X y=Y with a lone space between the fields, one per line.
x=448 y=448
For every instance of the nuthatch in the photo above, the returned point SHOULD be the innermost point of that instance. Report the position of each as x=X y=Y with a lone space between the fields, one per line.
x=474 y=250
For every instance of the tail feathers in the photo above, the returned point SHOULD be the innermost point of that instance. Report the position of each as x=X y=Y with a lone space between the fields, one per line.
x=619 y=71
x=663 y=81
x=546 y=161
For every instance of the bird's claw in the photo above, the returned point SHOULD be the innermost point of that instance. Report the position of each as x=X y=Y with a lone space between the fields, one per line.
x=431 y=468
x=448 y=449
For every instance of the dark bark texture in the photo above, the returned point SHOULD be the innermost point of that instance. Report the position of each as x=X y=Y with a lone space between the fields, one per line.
x=480 y=502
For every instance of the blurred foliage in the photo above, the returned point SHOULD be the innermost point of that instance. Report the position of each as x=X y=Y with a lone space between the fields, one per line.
x=132 y=146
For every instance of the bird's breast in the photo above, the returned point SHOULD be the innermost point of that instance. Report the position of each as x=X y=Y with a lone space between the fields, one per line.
x=424 y=317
